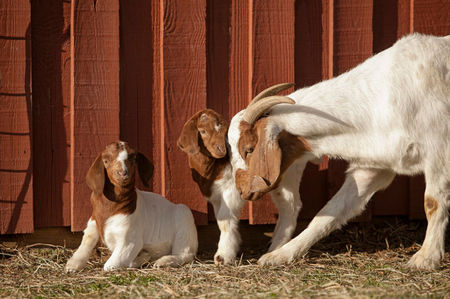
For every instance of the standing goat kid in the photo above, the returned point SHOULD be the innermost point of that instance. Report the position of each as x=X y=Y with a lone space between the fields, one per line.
x=203 y=139
x=390 y=114
x=137 y=226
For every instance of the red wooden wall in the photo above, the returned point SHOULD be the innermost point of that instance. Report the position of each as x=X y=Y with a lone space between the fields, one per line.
x=76 y=75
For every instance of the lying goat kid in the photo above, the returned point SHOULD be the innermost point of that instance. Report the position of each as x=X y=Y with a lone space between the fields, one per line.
x=137 y=226
x=203 y=138
x=389 y=115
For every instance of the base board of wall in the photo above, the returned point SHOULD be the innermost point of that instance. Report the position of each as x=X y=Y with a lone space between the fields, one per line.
x=208 y=236
x=253 y=236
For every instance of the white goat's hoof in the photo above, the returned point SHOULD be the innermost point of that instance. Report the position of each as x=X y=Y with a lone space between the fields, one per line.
x=167 y=261
x=74 y=265
x=275 y=245
x=222 y=258
x=422 y=262
x=277 y=257
x=108 y=267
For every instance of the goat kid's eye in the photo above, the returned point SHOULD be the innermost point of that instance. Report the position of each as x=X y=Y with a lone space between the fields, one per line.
x=203 y=132
x=248 y=151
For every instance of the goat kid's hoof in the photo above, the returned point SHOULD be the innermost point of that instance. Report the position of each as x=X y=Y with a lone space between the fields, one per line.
x=276 y=258
x=167 y=261
x=420 y=262
x=74 y=266
x=223 y=259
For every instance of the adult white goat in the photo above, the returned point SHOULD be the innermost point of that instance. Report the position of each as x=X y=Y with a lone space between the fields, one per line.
x=390 y=114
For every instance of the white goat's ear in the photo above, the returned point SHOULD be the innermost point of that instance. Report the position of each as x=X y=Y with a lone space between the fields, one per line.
x=95 y=177
x=145 y=168
x=188 y=140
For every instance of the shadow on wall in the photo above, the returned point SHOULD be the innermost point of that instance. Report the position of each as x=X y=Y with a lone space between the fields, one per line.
x=20 y=201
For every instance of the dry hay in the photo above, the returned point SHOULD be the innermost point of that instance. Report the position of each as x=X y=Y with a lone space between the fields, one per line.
x=365 y=260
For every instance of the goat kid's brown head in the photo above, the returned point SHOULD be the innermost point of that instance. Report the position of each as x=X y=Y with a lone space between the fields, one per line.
x=119 y=161
x=266 y=150
x=205 y=132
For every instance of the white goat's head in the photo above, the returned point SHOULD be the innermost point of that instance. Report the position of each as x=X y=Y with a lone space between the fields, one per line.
x=261 y=152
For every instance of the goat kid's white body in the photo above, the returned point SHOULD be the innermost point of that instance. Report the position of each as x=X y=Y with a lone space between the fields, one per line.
x=227 y=205
x=157 y=230
x=390 y=114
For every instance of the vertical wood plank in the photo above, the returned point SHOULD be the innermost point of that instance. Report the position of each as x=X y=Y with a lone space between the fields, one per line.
x=429 y=17
x=239 y=80
x=139 y=122
x=352 y=45
x=157 y=16
x=16 y=167
x=184 y=65
x=95 y=93
x=50 y=25
x=312 y=65
x=273 y=63
x=217 y=55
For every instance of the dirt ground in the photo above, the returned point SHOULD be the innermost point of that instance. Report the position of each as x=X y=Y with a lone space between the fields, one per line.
x=361 y=260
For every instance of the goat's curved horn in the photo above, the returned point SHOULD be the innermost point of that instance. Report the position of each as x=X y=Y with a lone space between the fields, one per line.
x=252 y=113
x=273 y=90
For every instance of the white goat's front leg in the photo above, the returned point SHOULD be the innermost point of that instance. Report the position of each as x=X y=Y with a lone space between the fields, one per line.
x=350 y=201
x=81 y=255
x=227 y=212
x=437 y=203
x=185 y=242
x=287 y=200
x=123 y=255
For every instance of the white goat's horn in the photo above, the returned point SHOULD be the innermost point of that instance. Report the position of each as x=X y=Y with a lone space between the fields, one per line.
x=253 y=112
x=271 y=91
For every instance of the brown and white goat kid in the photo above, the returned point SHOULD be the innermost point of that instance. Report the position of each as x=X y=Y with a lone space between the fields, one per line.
x=203 y=139
x=389 y=115
x=137 y=226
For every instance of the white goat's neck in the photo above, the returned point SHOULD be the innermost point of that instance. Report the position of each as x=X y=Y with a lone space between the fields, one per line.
x=330 y=114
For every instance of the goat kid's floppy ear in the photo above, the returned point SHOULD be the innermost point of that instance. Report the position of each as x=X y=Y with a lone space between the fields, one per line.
x=188 y=140
x=145 y=168
x=95 y=177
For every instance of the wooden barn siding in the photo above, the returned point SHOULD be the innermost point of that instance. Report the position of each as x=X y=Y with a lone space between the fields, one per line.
x=16 y=162
x=136 y=70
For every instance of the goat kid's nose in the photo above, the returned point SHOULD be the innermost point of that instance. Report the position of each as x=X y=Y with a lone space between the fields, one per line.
x=123 y=173
x=221 y=148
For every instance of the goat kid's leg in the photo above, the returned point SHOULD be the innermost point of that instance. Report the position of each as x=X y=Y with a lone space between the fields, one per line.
x=350 y=201
x=287 y=200
x=436 y=204
x=227 y=215
x=143 y=257
x=81 y=255
x=123 y=255
x=185 y=244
